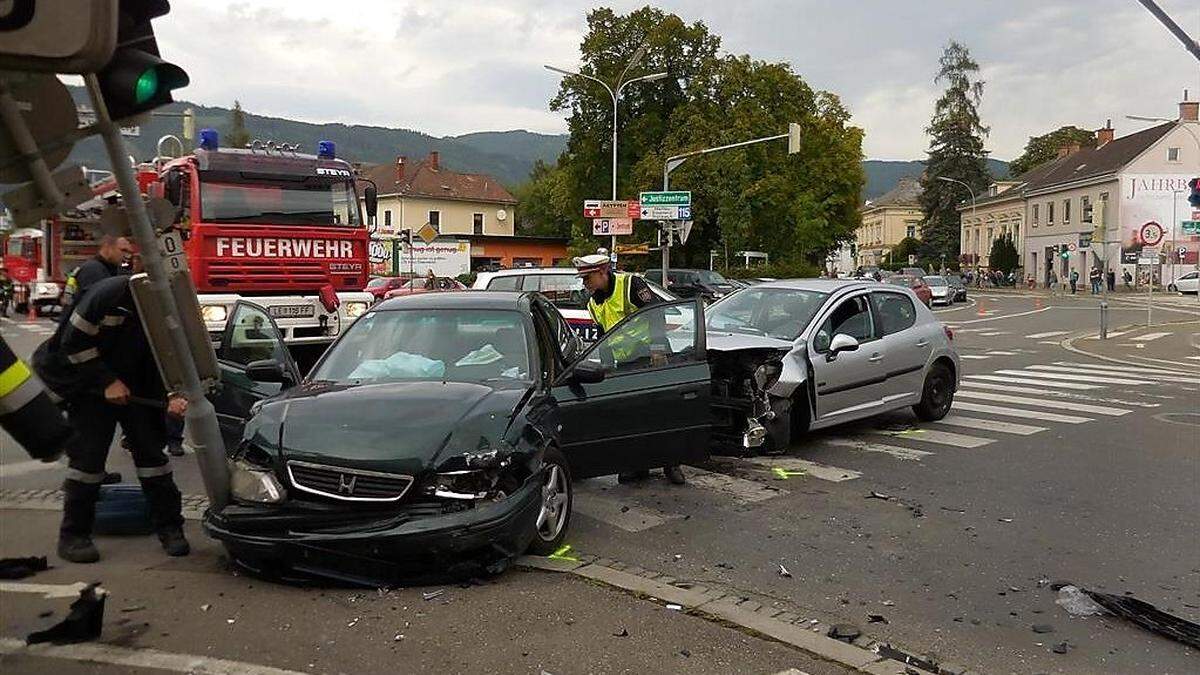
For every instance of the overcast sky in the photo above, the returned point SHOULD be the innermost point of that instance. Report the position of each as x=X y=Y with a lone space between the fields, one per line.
x=455 y=66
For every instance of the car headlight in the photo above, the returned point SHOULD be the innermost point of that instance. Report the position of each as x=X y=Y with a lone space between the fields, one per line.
x=214 y=312
x=356 y=308
x=250 y=483
x=475 y=476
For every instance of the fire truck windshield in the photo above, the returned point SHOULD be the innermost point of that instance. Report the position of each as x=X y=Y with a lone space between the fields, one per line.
x=313 y=201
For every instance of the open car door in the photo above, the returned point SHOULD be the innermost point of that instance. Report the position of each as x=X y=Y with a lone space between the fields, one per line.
x=255 y=364
x=639 y=398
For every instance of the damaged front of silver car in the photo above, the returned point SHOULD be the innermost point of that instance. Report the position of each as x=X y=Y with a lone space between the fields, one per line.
x=755 y=384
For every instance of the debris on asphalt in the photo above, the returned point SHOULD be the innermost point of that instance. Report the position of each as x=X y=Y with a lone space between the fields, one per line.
x=133 y=608
x=83 y=622
x=1042 y=628
x=674 y=607
x=433 y=594
x=684 y=653
x=1062 y=648
x=621 y=633
x=678 y=557
x=205 y=608
x=845 y=632
x=888 y=603
x=19 y=568
x=231 y=621
x=46 y=614
x=398 y=637
x=879 y=495
x=353 y=623
x=624 y=509
x=876 y=618
x=1149 y=617
x=783 y=572
x=1077 y=603
x=1005 y=520
x=954 y=509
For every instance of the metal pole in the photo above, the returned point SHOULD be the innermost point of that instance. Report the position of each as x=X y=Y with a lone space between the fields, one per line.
x=615 y=94
x=202 y=428
x=1188 y=43
x=666 y=241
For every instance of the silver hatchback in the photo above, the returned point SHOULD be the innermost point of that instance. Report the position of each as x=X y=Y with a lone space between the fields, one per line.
x=790 y=356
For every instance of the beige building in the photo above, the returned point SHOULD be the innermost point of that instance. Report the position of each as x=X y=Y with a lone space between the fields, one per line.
x=885 y=221
x=998 y=212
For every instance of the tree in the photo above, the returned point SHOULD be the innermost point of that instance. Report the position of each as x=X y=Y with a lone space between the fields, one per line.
x=1042 y=149
x=906 y=247
x=544 y=206
x=237 y=136
x=955 y=151
x=1003 y=255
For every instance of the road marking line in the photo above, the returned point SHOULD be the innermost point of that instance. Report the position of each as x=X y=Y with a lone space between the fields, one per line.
x=1073 y=377
x=1052 y=393
x=973 y=356
x=935 y=436
x=50 y=591
x=867 y=446
x=1149 y=336
x=820 y=471
x=1116 y=371
x=994 y=333
x=1110 y=335
x=609 y=510
x=990 y=425
x=29 y=466
x=97 y=652
x=1022 y=400
x=1049 y=342
x=1018 y=412
x=1194 y=358
x=1051 y=333
x=1024 y=380
x=1007 y=316
x=1133 y=370
x=998 y=352
x=743 y=491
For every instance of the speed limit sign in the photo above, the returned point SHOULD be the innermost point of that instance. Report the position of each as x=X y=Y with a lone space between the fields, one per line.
x=1151 y=233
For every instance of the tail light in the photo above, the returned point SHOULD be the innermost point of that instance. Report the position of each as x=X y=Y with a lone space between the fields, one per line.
x=329 y=298
x=949 y=333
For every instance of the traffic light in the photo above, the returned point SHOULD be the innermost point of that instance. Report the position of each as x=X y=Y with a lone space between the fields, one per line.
x=1194 y=197
x=1065 y=252
x=136 y=80
x=405 y=236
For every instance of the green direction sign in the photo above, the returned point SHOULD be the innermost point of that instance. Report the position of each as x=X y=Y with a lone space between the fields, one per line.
x=666 y=198
x=1190 y=226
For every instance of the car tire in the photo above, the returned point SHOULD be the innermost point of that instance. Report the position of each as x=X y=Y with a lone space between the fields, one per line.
x=937 y=394
x=1171 y=287
x=554 y=517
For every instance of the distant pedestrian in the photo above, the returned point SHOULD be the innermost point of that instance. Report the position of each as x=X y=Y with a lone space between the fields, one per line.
x=1094 y=277
x=1052 y=282
x=1112 y=281
x=1074 y=281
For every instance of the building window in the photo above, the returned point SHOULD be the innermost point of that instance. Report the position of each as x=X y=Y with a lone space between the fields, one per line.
x=1049 y=213
x=435 y=219
x=477 y=223
x=1085 y=209
x=1066 y=210
x=910 y=231
x=387 y=219
x=1172 y=154
x=1035 y=215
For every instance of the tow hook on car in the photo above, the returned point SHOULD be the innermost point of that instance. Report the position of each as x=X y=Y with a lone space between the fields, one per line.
x=755 y=435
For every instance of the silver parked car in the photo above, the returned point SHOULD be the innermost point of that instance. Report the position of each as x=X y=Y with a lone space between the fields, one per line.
x=940 y=291
x=790 y=356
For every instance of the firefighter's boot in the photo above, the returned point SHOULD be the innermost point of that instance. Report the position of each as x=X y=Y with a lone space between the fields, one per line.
x=79 y=514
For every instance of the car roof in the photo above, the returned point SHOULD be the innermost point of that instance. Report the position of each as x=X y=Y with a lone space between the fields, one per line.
x=819 y=285
x=529 y=270
x=468 y=299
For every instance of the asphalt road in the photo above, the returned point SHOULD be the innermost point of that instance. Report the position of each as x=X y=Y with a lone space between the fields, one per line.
x=1055 y=465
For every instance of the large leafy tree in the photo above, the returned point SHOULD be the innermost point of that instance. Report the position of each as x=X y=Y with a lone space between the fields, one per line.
x=1042 y=149
x=1003 y=255
x=955 y=151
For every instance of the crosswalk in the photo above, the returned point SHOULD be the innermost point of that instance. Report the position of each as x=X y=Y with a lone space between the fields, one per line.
x=1012 y=405
x=40 y=328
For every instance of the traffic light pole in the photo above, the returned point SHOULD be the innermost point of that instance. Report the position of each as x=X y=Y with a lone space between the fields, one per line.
x=202 y=429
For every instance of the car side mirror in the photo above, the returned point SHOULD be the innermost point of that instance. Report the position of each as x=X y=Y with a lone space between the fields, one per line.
x=842 y=343
x=587 y=372
x=371 y=197
x=267 y=370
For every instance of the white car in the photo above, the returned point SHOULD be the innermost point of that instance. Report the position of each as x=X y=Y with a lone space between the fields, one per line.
x=940 y=291
x=561 y=287
x=1188 y=283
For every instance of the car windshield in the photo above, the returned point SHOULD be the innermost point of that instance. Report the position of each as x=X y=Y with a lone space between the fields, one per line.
x=953 y=279
x=935 y=281
x=712 y=278
x=468 y=345
x=312 y=201
x=900 y=280
x=771 y=312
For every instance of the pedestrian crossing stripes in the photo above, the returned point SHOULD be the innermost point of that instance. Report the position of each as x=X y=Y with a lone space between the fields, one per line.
x=820 y=471
x=1193 y=358
x=1000 y=352
x=990 y=425
x=1115 y=372
x=1039 y=336
x=1020 y=412
x=1026 y=380
x=935 y=436
x=1148 y=337
x=867 y=446
x=1096 y=379
x=972 y=356
x=1071 y=395
x=1140 y=370
x=994 y=333
x=1041 y=403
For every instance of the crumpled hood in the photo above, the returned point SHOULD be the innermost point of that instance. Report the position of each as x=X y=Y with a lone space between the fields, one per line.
x=398 y=427
x=729 y=342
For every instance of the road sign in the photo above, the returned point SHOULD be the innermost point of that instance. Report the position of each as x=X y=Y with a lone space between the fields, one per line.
x=1085 y=239
x=1190 y=226
x=666 y=212
x=685 y=228
x=427 y=233
x=599 y=208
x=676 y=198
x=633 y=249
x=610 y=226
x=1151 y=233
x=1072 y=246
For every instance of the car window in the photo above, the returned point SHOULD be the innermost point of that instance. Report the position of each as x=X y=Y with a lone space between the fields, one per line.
x=935 y=281
x=565 y=291
x=774 y=312
x=894 y=311
x=655 y=337
x=511 y=282
x=567 y=341
x=852 y=317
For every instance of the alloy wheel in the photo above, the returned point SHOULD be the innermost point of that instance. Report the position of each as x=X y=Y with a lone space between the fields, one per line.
x=552 y=515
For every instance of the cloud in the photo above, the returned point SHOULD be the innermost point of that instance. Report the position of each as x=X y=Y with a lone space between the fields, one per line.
x=449 y=67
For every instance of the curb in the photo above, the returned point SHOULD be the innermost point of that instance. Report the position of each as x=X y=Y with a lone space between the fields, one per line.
x=1068 y=343
x=194 y=506
x=713 y=604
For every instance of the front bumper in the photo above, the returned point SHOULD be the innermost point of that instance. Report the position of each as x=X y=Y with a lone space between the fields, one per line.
x=374 y=551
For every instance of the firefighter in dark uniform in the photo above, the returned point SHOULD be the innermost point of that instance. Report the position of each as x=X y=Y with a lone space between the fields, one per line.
x=26 y=411
x=614 y=296
x=113 y=252
x=99 y=361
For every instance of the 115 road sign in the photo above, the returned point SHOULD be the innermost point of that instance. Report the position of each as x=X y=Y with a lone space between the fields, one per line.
x=675 y=198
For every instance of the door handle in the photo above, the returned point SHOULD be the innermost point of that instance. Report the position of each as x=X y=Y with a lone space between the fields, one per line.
x=690 y=394
x=922 y=343
x=876 y=357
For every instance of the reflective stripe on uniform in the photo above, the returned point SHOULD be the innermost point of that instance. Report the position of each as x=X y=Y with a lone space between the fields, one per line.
x=13 y=377
x=152 y=471
x=84 y=356
x=23 y=394
x=85 y=477
x=112 y=320
x=83 y=324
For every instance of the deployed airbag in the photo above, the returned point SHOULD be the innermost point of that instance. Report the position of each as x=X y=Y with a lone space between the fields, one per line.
x=399 y=365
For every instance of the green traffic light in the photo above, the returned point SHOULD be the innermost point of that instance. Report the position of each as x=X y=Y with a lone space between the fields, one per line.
x=146 y=86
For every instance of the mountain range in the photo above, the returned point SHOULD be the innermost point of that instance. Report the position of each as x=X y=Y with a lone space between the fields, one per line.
x=507 y=155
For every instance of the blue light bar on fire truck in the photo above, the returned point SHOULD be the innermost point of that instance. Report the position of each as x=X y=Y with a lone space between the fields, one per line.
x=209 y=140
x=326 y=150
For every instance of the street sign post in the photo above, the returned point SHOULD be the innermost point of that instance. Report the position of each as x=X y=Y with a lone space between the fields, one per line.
x=604 y=208
x=674 y=212
x=612 y=226
x=666 y=198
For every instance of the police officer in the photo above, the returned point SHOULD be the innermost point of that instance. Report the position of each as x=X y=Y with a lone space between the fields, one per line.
x=26 y=411
x=99 y=361
x=616 y=295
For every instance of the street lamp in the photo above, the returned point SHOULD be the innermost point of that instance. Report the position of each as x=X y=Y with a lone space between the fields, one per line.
x=955 y=180
x=615 y=93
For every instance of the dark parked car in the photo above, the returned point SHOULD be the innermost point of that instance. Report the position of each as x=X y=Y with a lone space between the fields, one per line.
x=442 y=431
x=691 y=283
x=957 y=285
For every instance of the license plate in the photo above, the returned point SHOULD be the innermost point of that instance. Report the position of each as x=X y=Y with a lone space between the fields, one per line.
x=588 y=332
x=291 y=311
